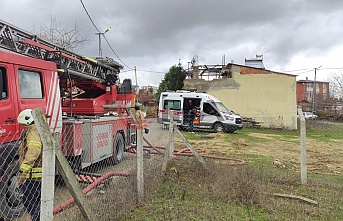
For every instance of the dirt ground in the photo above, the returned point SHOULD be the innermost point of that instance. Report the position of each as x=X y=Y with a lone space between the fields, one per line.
x=322 y=158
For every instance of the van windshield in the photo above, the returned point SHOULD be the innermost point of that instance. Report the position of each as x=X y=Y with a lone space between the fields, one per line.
x=221 y=107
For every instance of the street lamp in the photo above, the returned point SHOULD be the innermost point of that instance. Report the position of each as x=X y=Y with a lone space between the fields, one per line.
x=101 y=33
x=134 y=66
x=314 y=90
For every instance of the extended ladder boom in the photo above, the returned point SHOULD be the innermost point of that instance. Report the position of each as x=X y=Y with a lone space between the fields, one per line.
x=69 y=64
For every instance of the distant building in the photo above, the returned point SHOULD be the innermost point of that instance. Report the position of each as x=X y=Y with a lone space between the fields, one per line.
x=266 y=96
x=305 y=95
x=150 y=88
x=146 y=96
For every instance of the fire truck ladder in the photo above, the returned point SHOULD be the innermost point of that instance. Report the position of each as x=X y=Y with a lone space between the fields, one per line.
x=69 y=64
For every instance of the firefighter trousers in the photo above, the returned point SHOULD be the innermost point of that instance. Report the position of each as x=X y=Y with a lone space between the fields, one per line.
x=31 y=190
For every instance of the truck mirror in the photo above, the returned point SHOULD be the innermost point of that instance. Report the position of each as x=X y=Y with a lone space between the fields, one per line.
x=127 y=86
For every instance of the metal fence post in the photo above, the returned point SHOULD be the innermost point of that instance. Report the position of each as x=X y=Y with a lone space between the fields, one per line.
x=303 y=166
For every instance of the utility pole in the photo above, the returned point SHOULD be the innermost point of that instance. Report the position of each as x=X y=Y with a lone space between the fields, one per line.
x=134 y=66
x=188 y=68
x=314 y=91
x=99 y=34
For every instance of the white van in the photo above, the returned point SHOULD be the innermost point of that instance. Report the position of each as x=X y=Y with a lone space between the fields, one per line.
x=211 y=113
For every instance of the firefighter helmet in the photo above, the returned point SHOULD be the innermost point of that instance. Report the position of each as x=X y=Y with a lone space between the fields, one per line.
x=25 y=117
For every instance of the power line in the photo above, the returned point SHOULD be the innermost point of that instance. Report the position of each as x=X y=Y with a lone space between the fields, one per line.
x=305 y=72
x=141 y=70
x=84 y=7
x=330 y=68
x=158 y=72
x=90 y=18
x=308 y=70
x=130 y=69
x=298 y=70
x=116 y=53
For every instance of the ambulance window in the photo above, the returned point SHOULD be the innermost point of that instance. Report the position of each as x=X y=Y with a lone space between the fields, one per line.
x=208 y=109
x=3 y=84
x=172 y=104
x=30 y=84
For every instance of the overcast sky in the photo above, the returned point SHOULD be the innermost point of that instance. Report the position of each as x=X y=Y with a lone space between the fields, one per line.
x=155 y=34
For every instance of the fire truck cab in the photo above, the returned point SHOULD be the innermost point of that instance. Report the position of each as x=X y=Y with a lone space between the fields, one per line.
x=25 y=83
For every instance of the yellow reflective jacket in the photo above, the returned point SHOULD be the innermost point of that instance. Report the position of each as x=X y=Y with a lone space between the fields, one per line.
x=30 y=150
x=140 y=117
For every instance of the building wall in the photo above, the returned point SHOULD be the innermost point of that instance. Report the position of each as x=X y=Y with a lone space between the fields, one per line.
x=301 y=92
x=305 y=96
x=268 y=97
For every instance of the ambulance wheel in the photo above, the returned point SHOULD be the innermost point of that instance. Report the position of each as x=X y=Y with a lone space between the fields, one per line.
x=10 y=199
x=118 y=148
x=218 y=127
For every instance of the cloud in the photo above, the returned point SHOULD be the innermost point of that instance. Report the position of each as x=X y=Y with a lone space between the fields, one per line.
x=155 y=34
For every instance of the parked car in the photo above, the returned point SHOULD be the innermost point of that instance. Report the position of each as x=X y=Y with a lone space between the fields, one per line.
x=309 y=115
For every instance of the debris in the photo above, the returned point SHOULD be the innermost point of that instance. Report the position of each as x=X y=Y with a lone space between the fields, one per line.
x=307 y=200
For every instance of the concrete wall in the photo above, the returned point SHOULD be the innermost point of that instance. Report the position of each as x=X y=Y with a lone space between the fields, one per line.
x=268 y=97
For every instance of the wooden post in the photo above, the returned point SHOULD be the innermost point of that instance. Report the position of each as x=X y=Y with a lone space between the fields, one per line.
x=303 y=166
x=48 y=165
x=190 y=147
x=171 y=134
x=69 y=178
x=169 y=152
x=140 y=170
x=196 y=154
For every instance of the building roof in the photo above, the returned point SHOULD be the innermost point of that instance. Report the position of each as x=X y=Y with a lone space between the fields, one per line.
x=254 y=70
x=310 y=81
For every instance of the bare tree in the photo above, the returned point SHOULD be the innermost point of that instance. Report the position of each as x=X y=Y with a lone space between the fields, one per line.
x=336 y=84
x=66 y=38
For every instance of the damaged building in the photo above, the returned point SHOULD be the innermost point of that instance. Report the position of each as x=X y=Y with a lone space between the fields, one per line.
x=265 y=96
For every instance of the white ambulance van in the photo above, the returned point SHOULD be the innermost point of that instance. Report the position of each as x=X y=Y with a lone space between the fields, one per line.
x=210 y=112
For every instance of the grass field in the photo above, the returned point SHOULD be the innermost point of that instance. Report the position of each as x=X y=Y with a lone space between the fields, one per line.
x=224 y=192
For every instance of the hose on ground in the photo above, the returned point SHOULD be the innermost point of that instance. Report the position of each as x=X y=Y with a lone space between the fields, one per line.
x=187 y=152
x=157 y=149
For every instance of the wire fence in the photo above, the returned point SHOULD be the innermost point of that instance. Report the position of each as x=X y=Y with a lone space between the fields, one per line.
x=103 y=156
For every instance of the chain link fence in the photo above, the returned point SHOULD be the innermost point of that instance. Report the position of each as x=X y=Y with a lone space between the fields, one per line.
x=109 y=184
x=101 y=154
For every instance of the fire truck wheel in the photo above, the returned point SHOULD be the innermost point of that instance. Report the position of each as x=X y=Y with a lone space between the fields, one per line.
x=10 y=200
x=218 y=127
x=118 y=148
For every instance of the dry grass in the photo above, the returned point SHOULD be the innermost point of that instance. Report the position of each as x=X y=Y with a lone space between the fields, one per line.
x=236 y=193
x=239 y=193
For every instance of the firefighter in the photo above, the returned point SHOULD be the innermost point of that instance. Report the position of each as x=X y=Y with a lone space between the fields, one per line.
x=30 y=172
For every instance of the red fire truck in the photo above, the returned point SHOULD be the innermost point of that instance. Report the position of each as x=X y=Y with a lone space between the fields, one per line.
x=37 y=73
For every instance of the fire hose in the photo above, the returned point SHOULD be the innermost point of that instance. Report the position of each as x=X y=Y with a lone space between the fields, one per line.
x=157 y=149
x=186 y=152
